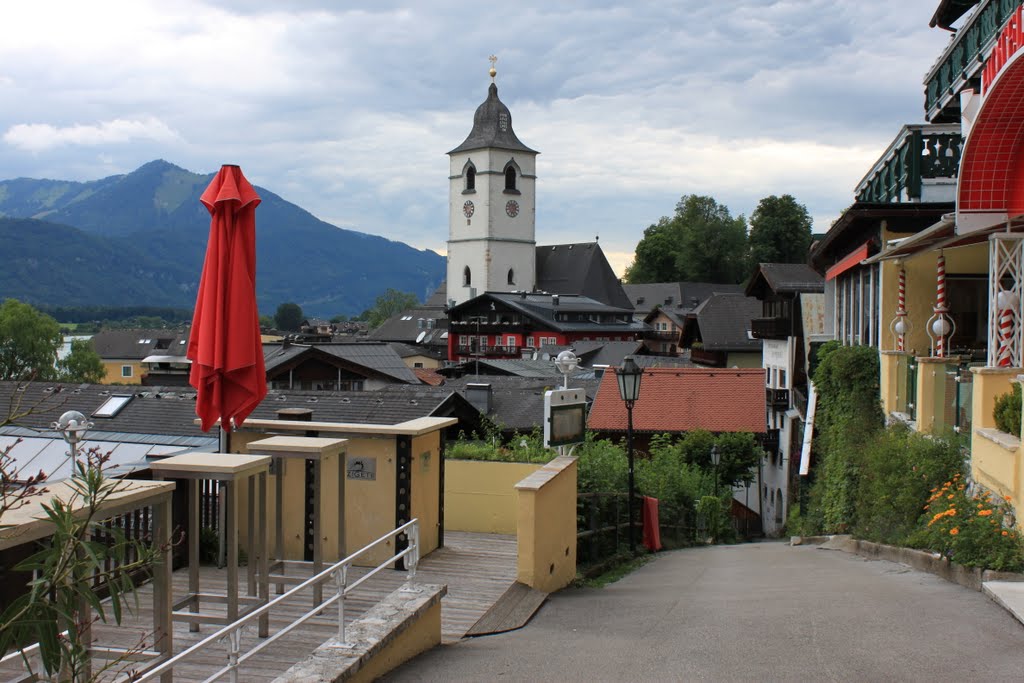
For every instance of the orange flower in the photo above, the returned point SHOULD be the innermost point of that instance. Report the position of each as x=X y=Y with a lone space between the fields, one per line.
x=1007 y=499
x=949 y=497
x=984 y=513
x=1005 y=534
x=960 y=487
x=954 y=531
x=980 y=505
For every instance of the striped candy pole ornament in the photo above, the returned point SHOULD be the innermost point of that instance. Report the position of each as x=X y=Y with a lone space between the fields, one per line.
x=901 y=311
x=940 y=308
x=1005 y=333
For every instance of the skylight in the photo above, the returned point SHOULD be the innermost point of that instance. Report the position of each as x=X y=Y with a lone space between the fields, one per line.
x=112 y=406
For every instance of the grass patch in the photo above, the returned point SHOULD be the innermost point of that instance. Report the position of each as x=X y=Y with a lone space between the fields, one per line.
x=611 y=571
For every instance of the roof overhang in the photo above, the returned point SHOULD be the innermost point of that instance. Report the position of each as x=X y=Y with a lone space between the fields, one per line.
x=925 y=240
x=851 y=260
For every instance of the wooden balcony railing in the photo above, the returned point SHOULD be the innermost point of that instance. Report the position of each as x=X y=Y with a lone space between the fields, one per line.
x=770 y=328
x=777 y=398
x=918 y=152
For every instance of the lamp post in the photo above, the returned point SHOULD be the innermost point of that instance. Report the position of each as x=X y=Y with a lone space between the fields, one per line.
x=566 y=362
x=72 y=426
x=628 y=376
x=716 y=458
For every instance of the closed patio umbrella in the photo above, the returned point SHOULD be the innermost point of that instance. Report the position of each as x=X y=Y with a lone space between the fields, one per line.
x=224 y=344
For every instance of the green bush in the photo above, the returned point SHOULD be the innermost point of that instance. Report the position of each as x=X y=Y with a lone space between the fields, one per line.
x=898 y=469
x=971 y=530
x=1007 y=411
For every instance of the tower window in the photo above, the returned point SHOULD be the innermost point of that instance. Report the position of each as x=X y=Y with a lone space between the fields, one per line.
x=470 y=178
x=511 y=277
x=467 y=277
x=510 y=178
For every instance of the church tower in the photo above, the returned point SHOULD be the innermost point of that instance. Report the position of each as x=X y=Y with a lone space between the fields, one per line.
x=491 y=207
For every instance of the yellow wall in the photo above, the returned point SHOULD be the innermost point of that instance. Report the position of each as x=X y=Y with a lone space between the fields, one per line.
x=921 y=284
x=934 y=407
x=743 y=360
x=370 y=505
x=425 y=361
x=996 y=466
x=113 y=370
x=988 y=384
x=547 y=526
x=890 y=380
x=419 y=636
x=426 y=488
x=481 y=496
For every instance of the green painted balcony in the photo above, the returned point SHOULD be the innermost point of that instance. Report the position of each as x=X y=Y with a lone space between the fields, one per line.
x=961 y=62
x=920 y=165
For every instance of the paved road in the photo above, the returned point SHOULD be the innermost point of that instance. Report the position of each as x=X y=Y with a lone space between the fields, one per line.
x=756 y=612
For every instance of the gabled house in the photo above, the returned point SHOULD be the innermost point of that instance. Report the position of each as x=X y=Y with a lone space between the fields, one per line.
x=665 y=334
x=359 y=366
x=509 y=325
x=717 y=332
x=792 y=301
x=423 y=327
x=679 y=297
x=129 y=355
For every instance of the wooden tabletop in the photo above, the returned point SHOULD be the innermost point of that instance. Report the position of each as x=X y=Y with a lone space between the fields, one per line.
x=304 y=445
x=210 y=465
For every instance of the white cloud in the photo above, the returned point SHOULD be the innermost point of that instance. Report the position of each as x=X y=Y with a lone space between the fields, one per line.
x=35 y=137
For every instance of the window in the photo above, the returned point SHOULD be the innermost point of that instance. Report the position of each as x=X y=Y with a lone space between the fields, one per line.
x=510 y=341
x=113 y=405
x=510 y=178
x=467 y=277
x=483 y=343
x=126 y=371
x=417 y=365
x=511 y=277
x=529 y=342
x=470 y=178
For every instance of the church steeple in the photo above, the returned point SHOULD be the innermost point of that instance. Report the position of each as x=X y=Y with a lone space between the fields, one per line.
x=492 y=206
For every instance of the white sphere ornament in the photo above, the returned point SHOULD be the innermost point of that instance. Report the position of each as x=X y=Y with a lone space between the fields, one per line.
x=940 y=327
x=1005 y=300
x=900 y=326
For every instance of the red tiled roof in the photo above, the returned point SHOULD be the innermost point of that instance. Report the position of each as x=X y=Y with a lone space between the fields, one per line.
x=684 y=399
x=429 y=376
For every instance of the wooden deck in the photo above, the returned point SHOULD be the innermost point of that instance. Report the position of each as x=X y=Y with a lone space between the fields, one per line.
x=478 y=569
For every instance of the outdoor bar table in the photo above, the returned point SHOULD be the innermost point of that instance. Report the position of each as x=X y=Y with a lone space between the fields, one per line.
x=30 y=522
x=231 y=471
x=317 y=449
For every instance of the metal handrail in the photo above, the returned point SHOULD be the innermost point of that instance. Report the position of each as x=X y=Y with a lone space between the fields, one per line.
x=338 y=571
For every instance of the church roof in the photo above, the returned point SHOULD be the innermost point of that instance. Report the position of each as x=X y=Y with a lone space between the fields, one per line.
x=492 y=127
x=581 y=269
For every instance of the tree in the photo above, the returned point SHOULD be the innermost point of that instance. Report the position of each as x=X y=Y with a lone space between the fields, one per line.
x=29 y=341
x=390 y=303
x=288 y=317
x=780 y=231
x=702 y=242
x=83 y=364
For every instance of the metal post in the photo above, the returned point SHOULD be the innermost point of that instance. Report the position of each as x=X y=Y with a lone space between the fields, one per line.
x=629 y=453
x=341 y=582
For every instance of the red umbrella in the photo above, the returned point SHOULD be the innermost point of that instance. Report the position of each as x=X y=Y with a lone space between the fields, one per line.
x=224 y=344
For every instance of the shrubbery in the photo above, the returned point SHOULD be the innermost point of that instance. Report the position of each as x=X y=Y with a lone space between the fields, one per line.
x=1007 y=411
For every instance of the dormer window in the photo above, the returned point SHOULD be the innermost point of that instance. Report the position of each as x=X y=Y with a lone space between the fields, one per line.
x=511 y=277
x=470 y=178
x=467 y=277
x=510 y=178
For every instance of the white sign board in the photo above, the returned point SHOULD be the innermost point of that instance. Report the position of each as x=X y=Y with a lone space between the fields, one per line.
x=565 y=417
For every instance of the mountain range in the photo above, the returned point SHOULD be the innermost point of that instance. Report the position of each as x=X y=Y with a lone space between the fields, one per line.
x=139 y=239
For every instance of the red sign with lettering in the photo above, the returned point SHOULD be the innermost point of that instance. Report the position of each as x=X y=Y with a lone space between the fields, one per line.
x=1010 y=39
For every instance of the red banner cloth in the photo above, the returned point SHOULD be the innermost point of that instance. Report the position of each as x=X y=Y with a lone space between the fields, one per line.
x=224 y=344
x=652 y=532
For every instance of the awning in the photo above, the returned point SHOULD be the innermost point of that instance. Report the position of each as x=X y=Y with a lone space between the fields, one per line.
x=167 y=359
x=849 y=261
x=925 y=240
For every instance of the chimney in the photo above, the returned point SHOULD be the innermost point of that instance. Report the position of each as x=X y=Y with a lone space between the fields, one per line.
x=430 y=323
x=554 y=299
x=479 y=396
x=296 y=414
x=522 y=294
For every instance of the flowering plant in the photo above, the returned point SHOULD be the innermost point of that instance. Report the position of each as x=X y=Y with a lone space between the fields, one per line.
x=972 y=530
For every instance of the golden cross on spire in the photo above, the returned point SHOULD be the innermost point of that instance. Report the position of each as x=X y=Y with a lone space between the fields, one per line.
x=493 y=59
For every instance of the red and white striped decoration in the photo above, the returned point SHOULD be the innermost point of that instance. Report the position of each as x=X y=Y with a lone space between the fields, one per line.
x=940 y=304
x=901 y=308
x=1005 y=332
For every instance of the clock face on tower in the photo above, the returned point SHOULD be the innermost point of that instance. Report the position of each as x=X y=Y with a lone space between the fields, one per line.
x=512 y=208
x=467 y=209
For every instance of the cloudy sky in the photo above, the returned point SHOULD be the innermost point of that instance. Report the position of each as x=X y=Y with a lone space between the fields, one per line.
x=348 y=108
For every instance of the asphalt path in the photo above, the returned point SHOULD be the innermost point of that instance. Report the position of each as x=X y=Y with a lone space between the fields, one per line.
x=753 y=612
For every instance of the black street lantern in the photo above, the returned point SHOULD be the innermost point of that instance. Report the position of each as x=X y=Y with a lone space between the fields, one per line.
x=716 y=458
x=628 y=376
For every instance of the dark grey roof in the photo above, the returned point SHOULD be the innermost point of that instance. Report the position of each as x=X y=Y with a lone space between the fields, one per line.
x=437 y=299
x=537 y=369
x=681 y=297
x=492 y=127
x=137 y=344
x=407 y=328
x=593 y=353
x=581 y=269
x=724 y=321
x=409 y=350
x=379 y=358
x=542 y=308
x=786 y=278
x=170 y=412
x=680 y=361
x=518 y=403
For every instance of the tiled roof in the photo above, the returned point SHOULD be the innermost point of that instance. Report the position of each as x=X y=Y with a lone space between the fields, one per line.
x=411 y=325
x=724 y=321
x=517 y=402
x=429 y=376
x=543 y=308
x=379 y=358
x=137 y=344
x=786 y=278
x=684 y=399
x=677 y=297
x=579 y=269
